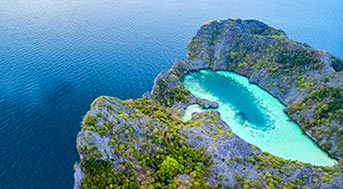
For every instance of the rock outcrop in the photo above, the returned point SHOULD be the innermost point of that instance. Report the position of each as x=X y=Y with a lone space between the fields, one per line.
x=144 y=142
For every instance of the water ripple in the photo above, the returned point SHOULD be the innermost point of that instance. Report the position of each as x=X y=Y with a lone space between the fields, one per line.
x=58 y=56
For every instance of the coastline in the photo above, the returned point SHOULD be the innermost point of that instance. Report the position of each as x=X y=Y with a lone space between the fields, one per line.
x=218 y=45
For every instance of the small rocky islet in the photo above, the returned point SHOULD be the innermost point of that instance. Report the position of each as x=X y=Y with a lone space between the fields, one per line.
x=144 y=143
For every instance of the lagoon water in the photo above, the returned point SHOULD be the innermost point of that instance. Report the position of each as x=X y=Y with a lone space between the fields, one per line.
x=56 y=56
x=254 y=115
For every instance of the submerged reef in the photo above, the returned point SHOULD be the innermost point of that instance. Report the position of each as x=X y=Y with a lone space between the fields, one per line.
x=144 y=143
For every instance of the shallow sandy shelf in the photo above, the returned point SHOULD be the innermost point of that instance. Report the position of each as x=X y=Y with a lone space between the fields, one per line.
x=254 y=115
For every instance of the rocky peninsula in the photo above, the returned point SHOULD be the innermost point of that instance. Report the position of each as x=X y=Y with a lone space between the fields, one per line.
x=144 y=143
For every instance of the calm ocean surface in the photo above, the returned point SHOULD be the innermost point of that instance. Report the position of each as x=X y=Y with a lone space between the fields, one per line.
x=56 y=56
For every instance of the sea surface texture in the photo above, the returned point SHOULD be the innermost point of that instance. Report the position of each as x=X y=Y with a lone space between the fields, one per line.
x=56 y=56
x=254 y=115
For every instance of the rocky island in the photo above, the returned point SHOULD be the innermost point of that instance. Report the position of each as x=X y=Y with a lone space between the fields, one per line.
x=144 y=143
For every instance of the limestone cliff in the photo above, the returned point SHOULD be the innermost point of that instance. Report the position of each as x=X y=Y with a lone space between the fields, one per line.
x=144 y=143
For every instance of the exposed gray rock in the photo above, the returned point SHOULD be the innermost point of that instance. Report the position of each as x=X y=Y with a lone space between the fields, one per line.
x=235 y=162
x=207 y=104
x=78 y=176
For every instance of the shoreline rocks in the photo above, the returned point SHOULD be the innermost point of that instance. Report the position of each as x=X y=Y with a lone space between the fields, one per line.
x=135 y=139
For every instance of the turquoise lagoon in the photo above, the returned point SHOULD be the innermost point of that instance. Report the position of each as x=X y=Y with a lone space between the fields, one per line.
x=254 y=115
x=57 y=56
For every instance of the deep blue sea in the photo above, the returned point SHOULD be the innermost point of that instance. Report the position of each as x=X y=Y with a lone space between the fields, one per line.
x=57 y=56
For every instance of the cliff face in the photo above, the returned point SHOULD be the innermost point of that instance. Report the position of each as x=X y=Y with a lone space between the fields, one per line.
x=292 y=72
x=144 y=142
x=308 y=81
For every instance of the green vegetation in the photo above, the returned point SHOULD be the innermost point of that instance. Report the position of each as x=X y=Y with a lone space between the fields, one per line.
x=258 y=51
x=158 y=159
x=173 y=94
x=328 y=108
x=167 y=95
x=255 y=27
x=100 y=174
x=337 y=64
x=147 y=138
